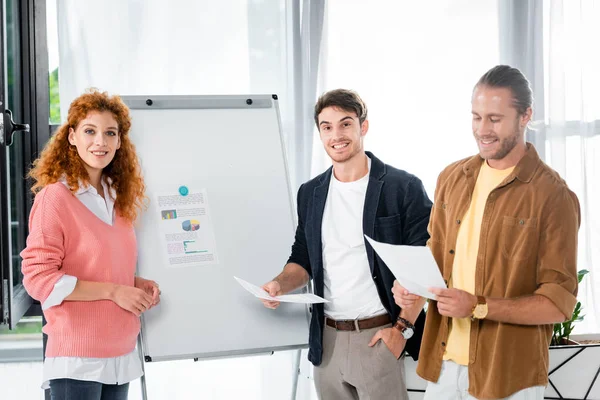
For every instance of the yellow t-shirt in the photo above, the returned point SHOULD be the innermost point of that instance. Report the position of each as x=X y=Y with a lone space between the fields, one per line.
x=465 y=259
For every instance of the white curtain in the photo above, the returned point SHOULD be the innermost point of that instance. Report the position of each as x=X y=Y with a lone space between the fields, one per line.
x=522 y=46
x=414 y=64
x=303 y=64
x=184 y=47
x=555 y=43
x=572 y=124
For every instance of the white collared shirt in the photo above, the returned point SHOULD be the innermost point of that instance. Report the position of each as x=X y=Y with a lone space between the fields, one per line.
x=116 y=370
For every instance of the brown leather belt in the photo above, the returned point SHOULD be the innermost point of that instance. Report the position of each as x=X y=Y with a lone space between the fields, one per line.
x=358 y=324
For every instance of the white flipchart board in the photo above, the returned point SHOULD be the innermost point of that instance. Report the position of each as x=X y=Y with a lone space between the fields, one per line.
x=230 y=150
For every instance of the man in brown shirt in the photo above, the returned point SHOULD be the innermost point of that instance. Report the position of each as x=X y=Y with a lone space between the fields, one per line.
x=504 y=234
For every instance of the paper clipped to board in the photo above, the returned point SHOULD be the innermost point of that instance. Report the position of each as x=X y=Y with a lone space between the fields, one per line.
x=413 y=266
x=304 y=298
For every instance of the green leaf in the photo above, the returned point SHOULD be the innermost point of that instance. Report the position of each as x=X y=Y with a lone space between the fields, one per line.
x=581 y=274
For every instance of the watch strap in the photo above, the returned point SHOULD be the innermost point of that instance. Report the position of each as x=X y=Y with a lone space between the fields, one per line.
x=402 y=324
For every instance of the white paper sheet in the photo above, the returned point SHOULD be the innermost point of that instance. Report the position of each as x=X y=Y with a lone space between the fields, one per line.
x=413 y=266
x=304 y=298
x=185 y=228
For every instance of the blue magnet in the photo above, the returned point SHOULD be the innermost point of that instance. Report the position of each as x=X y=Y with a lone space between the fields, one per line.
x=183 y=190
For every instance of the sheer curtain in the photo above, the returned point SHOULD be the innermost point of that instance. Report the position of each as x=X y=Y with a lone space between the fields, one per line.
x=554 y=42
x=415 y=65
x=572 y=127
x=186 y=47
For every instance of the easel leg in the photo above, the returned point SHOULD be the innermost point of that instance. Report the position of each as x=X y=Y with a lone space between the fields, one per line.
x=296 y=373
x=143 y=377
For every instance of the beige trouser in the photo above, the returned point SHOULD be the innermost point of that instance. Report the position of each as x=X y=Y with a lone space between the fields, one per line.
x=453 y=384
x=352 y=370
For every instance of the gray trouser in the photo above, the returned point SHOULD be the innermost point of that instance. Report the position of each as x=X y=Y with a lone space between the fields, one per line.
x=352 y=370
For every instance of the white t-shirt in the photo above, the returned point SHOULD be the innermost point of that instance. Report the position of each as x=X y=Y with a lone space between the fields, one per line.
x=349 y=287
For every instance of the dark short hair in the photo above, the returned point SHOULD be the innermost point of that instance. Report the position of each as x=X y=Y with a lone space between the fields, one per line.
x=347 y=100
x=505 y=76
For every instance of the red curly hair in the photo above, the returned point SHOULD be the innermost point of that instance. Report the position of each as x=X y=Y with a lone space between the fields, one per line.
x=60 y=159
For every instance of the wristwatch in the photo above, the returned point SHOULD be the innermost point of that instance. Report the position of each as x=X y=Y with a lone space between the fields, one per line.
x=405 y=327
x=480 y=310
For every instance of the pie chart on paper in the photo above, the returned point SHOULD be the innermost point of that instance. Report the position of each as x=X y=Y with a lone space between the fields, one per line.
x=191 y=225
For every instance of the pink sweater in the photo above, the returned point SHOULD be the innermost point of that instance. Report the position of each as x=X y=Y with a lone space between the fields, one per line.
x=65 y=237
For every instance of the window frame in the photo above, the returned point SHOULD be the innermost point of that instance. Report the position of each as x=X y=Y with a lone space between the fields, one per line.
x=33 y=104
x=572 y=128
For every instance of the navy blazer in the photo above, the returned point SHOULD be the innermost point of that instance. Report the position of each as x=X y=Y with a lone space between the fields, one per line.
x=396 y=211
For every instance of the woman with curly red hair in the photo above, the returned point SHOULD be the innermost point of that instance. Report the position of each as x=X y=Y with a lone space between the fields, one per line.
x=81 y=252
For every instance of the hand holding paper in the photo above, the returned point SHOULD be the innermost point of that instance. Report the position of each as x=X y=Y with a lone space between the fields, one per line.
x=404 y=298
x=306 y=298
x=273 y=289
x=413 y=266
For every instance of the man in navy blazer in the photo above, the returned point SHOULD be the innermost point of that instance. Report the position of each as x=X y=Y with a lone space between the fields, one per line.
x=358 y=337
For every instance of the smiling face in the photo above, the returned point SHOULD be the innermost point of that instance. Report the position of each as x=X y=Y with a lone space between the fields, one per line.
x=341 y=133
x=97 y=140
x=497 y=126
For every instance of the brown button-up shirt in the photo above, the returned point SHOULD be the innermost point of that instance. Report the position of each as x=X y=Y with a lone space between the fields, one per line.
x=528 y=245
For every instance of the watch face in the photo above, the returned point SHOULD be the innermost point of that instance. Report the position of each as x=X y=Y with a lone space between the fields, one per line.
x=407 y=333
x=480 y=311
